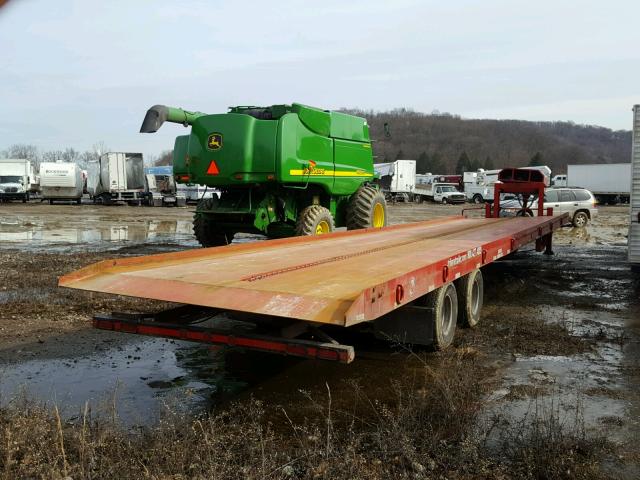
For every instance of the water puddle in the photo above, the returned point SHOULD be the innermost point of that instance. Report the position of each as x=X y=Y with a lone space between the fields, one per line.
x=141 y=377
x=35 y=235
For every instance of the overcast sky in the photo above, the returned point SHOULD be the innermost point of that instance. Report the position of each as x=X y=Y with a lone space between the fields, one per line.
x=74 y=72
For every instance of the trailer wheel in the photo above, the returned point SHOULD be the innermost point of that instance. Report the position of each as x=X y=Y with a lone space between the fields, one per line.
x=314 y=220
x=477 y=198
x=367 y=208
x=470 y=298
x=205 y=230
x=443 y=304
x=580 y=219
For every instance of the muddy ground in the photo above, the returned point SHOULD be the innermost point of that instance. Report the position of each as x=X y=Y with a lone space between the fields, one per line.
x=557 y=332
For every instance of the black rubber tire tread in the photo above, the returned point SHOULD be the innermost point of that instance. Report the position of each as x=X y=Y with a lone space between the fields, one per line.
x=360 y=208
x=434 y=301
x=309 y=218
x=477 y=198
x=577 y=215
x=205 y=230
x=464 y=287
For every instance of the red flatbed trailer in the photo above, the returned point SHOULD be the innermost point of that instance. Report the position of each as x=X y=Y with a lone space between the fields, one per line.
x=413 y=281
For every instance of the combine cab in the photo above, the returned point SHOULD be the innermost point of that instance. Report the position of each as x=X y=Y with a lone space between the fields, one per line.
x=283 y=170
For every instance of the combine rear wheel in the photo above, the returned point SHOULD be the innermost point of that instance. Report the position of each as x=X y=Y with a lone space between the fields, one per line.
x=314 y=220
x=367 y=208
x=206 y=231
x=470 y=298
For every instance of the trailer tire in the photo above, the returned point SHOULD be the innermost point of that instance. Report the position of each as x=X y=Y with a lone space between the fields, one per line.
x=443 y=304
x=477 y=198
x=580 y=219
x=470 y=298
x=314 y=220
x=367 y=208
x=205 y=230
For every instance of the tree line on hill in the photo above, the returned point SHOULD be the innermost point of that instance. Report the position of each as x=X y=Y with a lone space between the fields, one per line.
x=440 y=143
x=443 y=143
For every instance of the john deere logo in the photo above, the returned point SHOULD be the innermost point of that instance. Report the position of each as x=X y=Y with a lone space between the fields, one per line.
x=215 y=141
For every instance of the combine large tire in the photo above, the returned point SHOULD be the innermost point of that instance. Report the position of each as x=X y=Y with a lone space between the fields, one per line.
x=206 y=231
x=314 y=220
x=367 y=208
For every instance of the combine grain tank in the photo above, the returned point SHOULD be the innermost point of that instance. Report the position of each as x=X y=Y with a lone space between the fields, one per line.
x=61 y=181
x=117 y=177
x=634 y=226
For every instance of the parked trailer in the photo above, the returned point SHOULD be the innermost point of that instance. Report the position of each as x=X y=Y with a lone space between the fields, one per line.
x=117 y=177
x=397 y=179
x=161 y=187
x=609 y=182
x=410 y=282
x=16 y=178
x=634 y=224
x=61 y=181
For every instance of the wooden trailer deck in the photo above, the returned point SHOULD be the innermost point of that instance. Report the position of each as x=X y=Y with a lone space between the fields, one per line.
x=341 y=278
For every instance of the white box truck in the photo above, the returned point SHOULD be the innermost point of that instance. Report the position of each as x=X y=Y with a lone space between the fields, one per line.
x=397 y=179
x=609 y=182
x=16 y=177
x=117 y=177
x=61 y=181
x=634 y=184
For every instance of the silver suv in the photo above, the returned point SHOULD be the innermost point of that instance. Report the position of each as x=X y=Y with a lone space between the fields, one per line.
x=579 y=203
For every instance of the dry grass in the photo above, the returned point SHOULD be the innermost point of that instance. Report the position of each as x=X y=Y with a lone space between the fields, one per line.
x=430 y=430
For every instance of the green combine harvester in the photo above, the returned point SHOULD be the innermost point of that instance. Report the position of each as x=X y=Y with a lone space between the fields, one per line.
x=283 y=170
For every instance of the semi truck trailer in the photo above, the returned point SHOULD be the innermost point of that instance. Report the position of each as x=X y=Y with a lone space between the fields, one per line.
x=609 y=182
x=117 y=177
x=161 y=187
x=634 y=184
x=397 y=179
